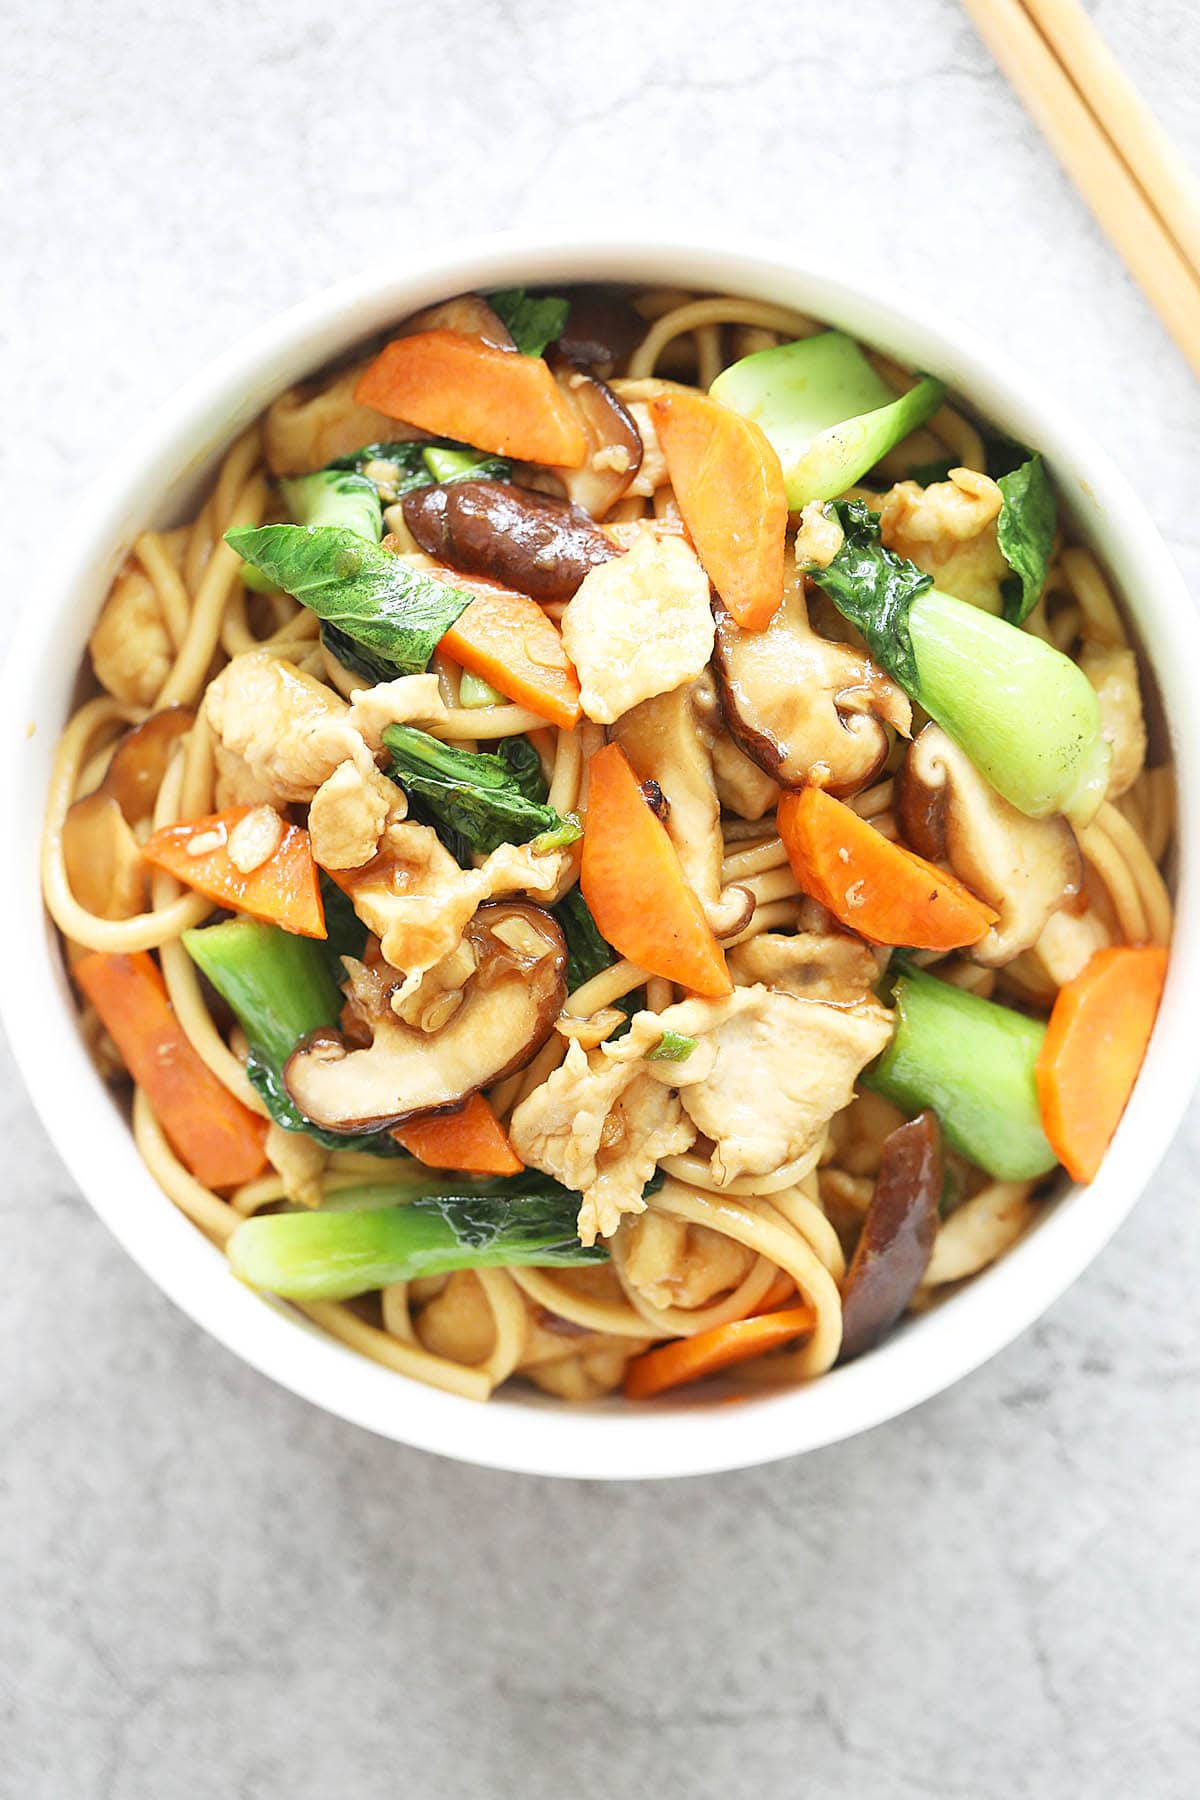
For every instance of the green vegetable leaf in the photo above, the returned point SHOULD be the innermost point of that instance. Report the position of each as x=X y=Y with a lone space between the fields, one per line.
x=1025 y=714
x=399 y=464
x=874 y=588
x=1025 y=532
x=396 y=468
x=1002 y=454
x=389 y=609
x=672 y=1046
x=483 y=798
x=356 y=658
x=347 y=933
x=587 y=952
x=525 y=766
x=533 y=320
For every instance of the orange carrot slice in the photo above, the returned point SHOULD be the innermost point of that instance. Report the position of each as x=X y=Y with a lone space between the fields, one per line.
x=690 y=1359
x=214 y=1135
x=283 y=890
x=882 y=891
x=507 y=638
x=635 y=886
x=460 y=387
x=1093 y=1048
x=472 y=1139
x=729 y=484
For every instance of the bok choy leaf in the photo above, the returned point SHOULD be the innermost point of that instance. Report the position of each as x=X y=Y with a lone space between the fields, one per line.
x=1025 y=714
x=397 y=467
x=587 y=951
x=487 y=800
x=533 y=320
x=1025 y=532
x=394 y=613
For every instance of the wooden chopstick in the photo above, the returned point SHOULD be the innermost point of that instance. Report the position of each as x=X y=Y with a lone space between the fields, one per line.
x=1153 y=160
x=1090 y=156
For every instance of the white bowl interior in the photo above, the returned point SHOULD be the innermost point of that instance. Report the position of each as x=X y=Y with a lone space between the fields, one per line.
x=156 y=482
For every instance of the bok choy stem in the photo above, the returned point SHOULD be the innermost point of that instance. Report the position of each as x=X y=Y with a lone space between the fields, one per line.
x=335 y=1255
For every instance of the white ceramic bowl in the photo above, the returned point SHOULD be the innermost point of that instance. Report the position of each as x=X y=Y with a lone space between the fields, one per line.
x=155 y=482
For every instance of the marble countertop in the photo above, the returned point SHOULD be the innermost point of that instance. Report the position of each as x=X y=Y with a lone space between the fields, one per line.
x=207 y=1588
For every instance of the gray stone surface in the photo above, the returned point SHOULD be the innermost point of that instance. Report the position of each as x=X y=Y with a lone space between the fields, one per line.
x=206 y=1587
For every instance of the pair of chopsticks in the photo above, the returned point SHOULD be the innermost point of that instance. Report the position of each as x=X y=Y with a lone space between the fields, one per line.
x=1124 y=165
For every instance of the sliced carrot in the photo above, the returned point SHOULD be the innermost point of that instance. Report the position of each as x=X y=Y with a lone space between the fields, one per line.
x=634 y=883
x=215 y=1136
x=460 y=387
x=885 y=893
x=1093 y=1048
x=507 y=638
x=690 y=1359
x=284 y=889
x=728 y=481
x=471 y=1139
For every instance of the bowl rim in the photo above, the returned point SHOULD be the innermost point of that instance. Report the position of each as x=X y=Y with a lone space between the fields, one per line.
x=535 y=1434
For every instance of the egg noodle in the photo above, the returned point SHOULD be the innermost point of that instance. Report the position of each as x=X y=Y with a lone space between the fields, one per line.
x=720 y=1249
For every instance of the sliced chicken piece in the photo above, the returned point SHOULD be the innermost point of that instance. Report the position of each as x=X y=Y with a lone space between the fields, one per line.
x=1068 y=942
x=599 y=1124
x=290 y=731
x=349 y=813
x=409 y=700
x=236 y=783
x=639 y=625
x=742 y=787
x=671 y=1263
x=812 y=965
x=130 y=645
x=782 y=1068
x=767 y=1074
x=306 y=428
x=417 y=900
x=949 y=530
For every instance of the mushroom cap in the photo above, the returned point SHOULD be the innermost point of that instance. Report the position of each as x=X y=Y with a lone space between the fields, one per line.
x=1026 y=869
x=809 y=711
x=139 y=761
x=614 y=453
x=104 y=862
x=897 y=1236
x=533 y=542
x=508 y=1010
